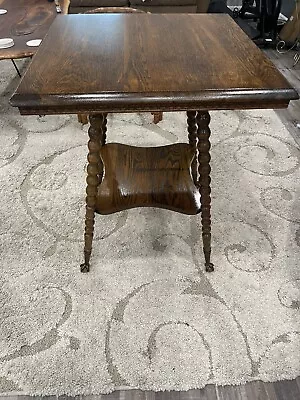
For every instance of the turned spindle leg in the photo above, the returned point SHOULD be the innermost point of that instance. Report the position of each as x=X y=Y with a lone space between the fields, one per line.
x=96 y=132
x=157 y=117
x=104 y=130
x=103 y=141
x=83 y=119
x=192 y=129
x=203 y=145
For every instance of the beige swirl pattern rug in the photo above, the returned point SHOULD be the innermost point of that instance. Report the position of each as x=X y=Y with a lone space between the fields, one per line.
x=147 y=315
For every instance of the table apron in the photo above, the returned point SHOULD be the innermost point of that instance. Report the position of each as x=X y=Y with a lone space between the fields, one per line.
x=193 y=107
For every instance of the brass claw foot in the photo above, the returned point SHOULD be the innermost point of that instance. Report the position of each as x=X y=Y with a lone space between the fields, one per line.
x=209 y=267
x=84 y=268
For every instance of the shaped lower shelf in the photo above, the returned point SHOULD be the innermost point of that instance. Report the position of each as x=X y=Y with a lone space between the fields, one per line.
x=147 y=177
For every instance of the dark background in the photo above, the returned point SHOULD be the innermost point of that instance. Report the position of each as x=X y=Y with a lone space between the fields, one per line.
x=288 y=7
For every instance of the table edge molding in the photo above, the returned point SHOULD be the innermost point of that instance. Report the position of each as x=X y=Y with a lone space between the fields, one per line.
x=158 y=101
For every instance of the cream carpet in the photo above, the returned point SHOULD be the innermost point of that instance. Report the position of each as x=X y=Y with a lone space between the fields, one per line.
x=146 y=316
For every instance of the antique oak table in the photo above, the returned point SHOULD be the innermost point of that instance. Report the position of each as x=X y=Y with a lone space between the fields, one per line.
x=149 y=62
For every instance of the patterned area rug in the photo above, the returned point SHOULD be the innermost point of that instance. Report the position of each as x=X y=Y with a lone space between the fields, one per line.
x=147 y=315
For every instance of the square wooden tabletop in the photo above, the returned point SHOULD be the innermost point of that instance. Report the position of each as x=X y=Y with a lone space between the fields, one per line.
x=127 y=62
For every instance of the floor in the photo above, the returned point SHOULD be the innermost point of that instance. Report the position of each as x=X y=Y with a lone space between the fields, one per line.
x=285 y=390
x=285 y=63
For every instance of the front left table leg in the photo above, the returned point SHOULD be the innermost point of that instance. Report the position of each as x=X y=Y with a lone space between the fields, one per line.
x=96 y=132
x=203 y=145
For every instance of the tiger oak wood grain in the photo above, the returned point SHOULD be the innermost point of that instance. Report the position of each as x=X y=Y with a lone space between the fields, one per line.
x=157 y=116
x=25 y=20
x=135 y=62
x=147 y=177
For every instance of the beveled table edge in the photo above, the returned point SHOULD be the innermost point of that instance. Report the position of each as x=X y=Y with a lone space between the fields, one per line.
x=156 y=101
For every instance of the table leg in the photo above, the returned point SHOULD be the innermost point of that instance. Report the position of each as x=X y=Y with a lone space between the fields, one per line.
x=203 y=145
x=97 y=136
x=104 y=129
x=16 y=68
x=192 y=129
x=157 y=117
x=82 y=119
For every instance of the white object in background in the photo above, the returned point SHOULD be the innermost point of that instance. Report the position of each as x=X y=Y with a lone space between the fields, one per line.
x=58 y=8
x=282 y=17
x=34 y=42
x=5 y=43
x=2 y=11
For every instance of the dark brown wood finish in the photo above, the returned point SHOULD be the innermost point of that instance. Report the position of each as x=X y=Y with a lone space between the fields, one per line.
x=157 y=116
x=192 y=136
x=95 y=171
x=147 y=177
x=130 y=62
x=25 y=20
x=203 y=145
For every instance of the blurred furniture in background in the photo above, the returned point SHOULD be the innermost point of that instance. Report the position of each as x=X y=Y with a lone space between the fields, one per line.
x=25 y=20
x=154 y=6
x=266 y=14
x=290 y=33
